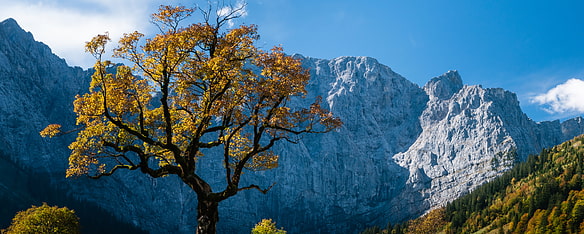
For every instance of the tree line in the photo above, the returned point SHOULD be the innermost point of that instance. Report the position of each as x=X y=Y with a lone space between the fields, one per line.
x=544 y=194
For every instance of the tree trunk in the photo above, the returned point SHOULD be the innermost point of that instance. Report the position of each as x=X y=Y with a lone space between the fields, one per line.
x=207 y=216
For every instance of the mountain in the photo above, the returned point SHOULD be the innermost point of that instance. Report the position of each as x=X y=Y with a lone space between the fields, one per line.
x=403 y=149
x=37 y=88
x=544 y=194
x=470 y=135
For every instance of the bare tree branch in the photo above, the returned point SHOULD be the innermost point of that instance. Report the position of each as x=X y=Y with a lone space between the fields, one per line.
x=114 y=169
x=253 y=186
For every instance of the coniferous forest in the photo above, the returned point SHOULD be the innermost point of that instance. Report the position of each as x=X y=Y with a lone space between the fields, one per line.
x=541 y=195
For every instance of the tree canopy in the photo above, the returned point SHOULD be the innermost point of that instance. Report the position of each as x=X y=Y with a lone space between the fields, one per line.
x=190 y=88
x=267 y=226
x=44 y=219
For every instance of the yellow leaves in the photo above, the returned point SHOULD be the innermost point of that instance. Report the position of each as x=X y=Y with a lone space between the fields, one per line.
x=264 y=161
x=81 y=158
x=128 y=46
x=88 y=107
x=51 y=130
x=126 y=93
x=88 y=148
x=267 y=226
x=96 y=46
x=433 y=222
x=79 y=165
x=169 y=15
x=239 y=145
x=325 y=117
x=237 y=44
x=284 y=75
x=199 y=87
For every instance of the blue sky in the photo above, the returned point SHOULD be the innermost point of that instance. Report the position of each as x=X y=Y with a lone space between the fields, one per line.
x=533 y=48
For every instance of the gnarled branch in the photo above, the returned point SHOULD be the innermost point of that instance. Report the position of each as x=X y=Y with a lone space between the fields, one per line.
x=253 y=186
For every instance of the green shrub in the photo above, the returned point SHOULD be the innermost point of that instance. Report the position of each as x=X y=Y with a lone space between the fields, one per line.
x=44 y=219
x=266 y=226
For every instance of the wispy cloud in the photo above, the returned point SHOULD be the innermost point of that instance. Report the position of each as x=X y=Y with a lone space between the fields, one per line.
x=567 y=97
x=66 y=25
x=240 y=10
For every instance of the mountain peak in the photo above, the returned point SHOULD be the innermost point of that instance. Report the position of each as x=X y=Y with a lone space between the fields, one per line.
x=444 y=86
x=9 y=22
x=9 y=29
x=11 y=26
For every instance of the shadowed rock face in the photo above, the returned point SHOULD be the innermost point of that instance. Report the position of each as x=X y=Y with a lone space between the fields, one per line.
x=36 y=88
x=402 y=150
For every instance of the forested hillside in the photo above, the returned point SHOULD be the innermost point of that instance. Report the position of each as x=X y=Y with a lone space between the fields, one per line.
x=542 y=195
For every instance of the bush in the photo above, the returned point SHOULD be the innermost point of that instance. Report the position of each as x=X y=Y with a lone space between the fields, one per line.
x=44 y=219
x=266 y=226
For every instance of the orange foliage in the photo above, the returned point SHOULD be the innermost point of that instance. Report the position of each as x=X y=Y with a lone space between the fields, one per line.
x=190 y=88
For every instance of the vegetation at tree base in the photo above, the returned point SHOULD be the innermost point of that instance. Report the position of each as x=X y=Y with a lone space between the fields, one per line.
x=201 y=87
x=542 y=195
x=44 y=219
x=267 y=226
x=34 y=188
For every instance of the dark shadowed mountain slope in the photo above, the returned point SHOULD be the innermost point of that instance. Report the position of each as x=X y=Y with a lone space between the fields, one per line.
x=37 y=88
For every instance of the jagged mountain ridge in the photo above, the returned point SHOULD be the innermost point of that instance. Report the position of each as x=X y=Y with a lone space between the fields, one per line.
x=447 y=159
x=36 y=87
x=402 y=150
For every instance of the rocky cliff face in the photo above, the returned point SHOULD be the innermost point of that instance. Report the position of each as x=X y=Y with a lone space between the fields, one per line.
x=470 y=135
x=342 y=180
x=402 y=150
x=36 y=88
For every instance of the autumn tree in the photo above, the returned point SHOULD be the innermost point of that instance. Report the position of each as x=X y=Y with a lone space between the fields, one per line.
x=191 y=88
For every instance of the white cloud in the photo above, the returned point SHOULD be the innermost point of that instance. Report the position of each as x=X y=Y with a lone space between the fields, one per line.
x=564 y=98
x=66 y=25
x=239 y=6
